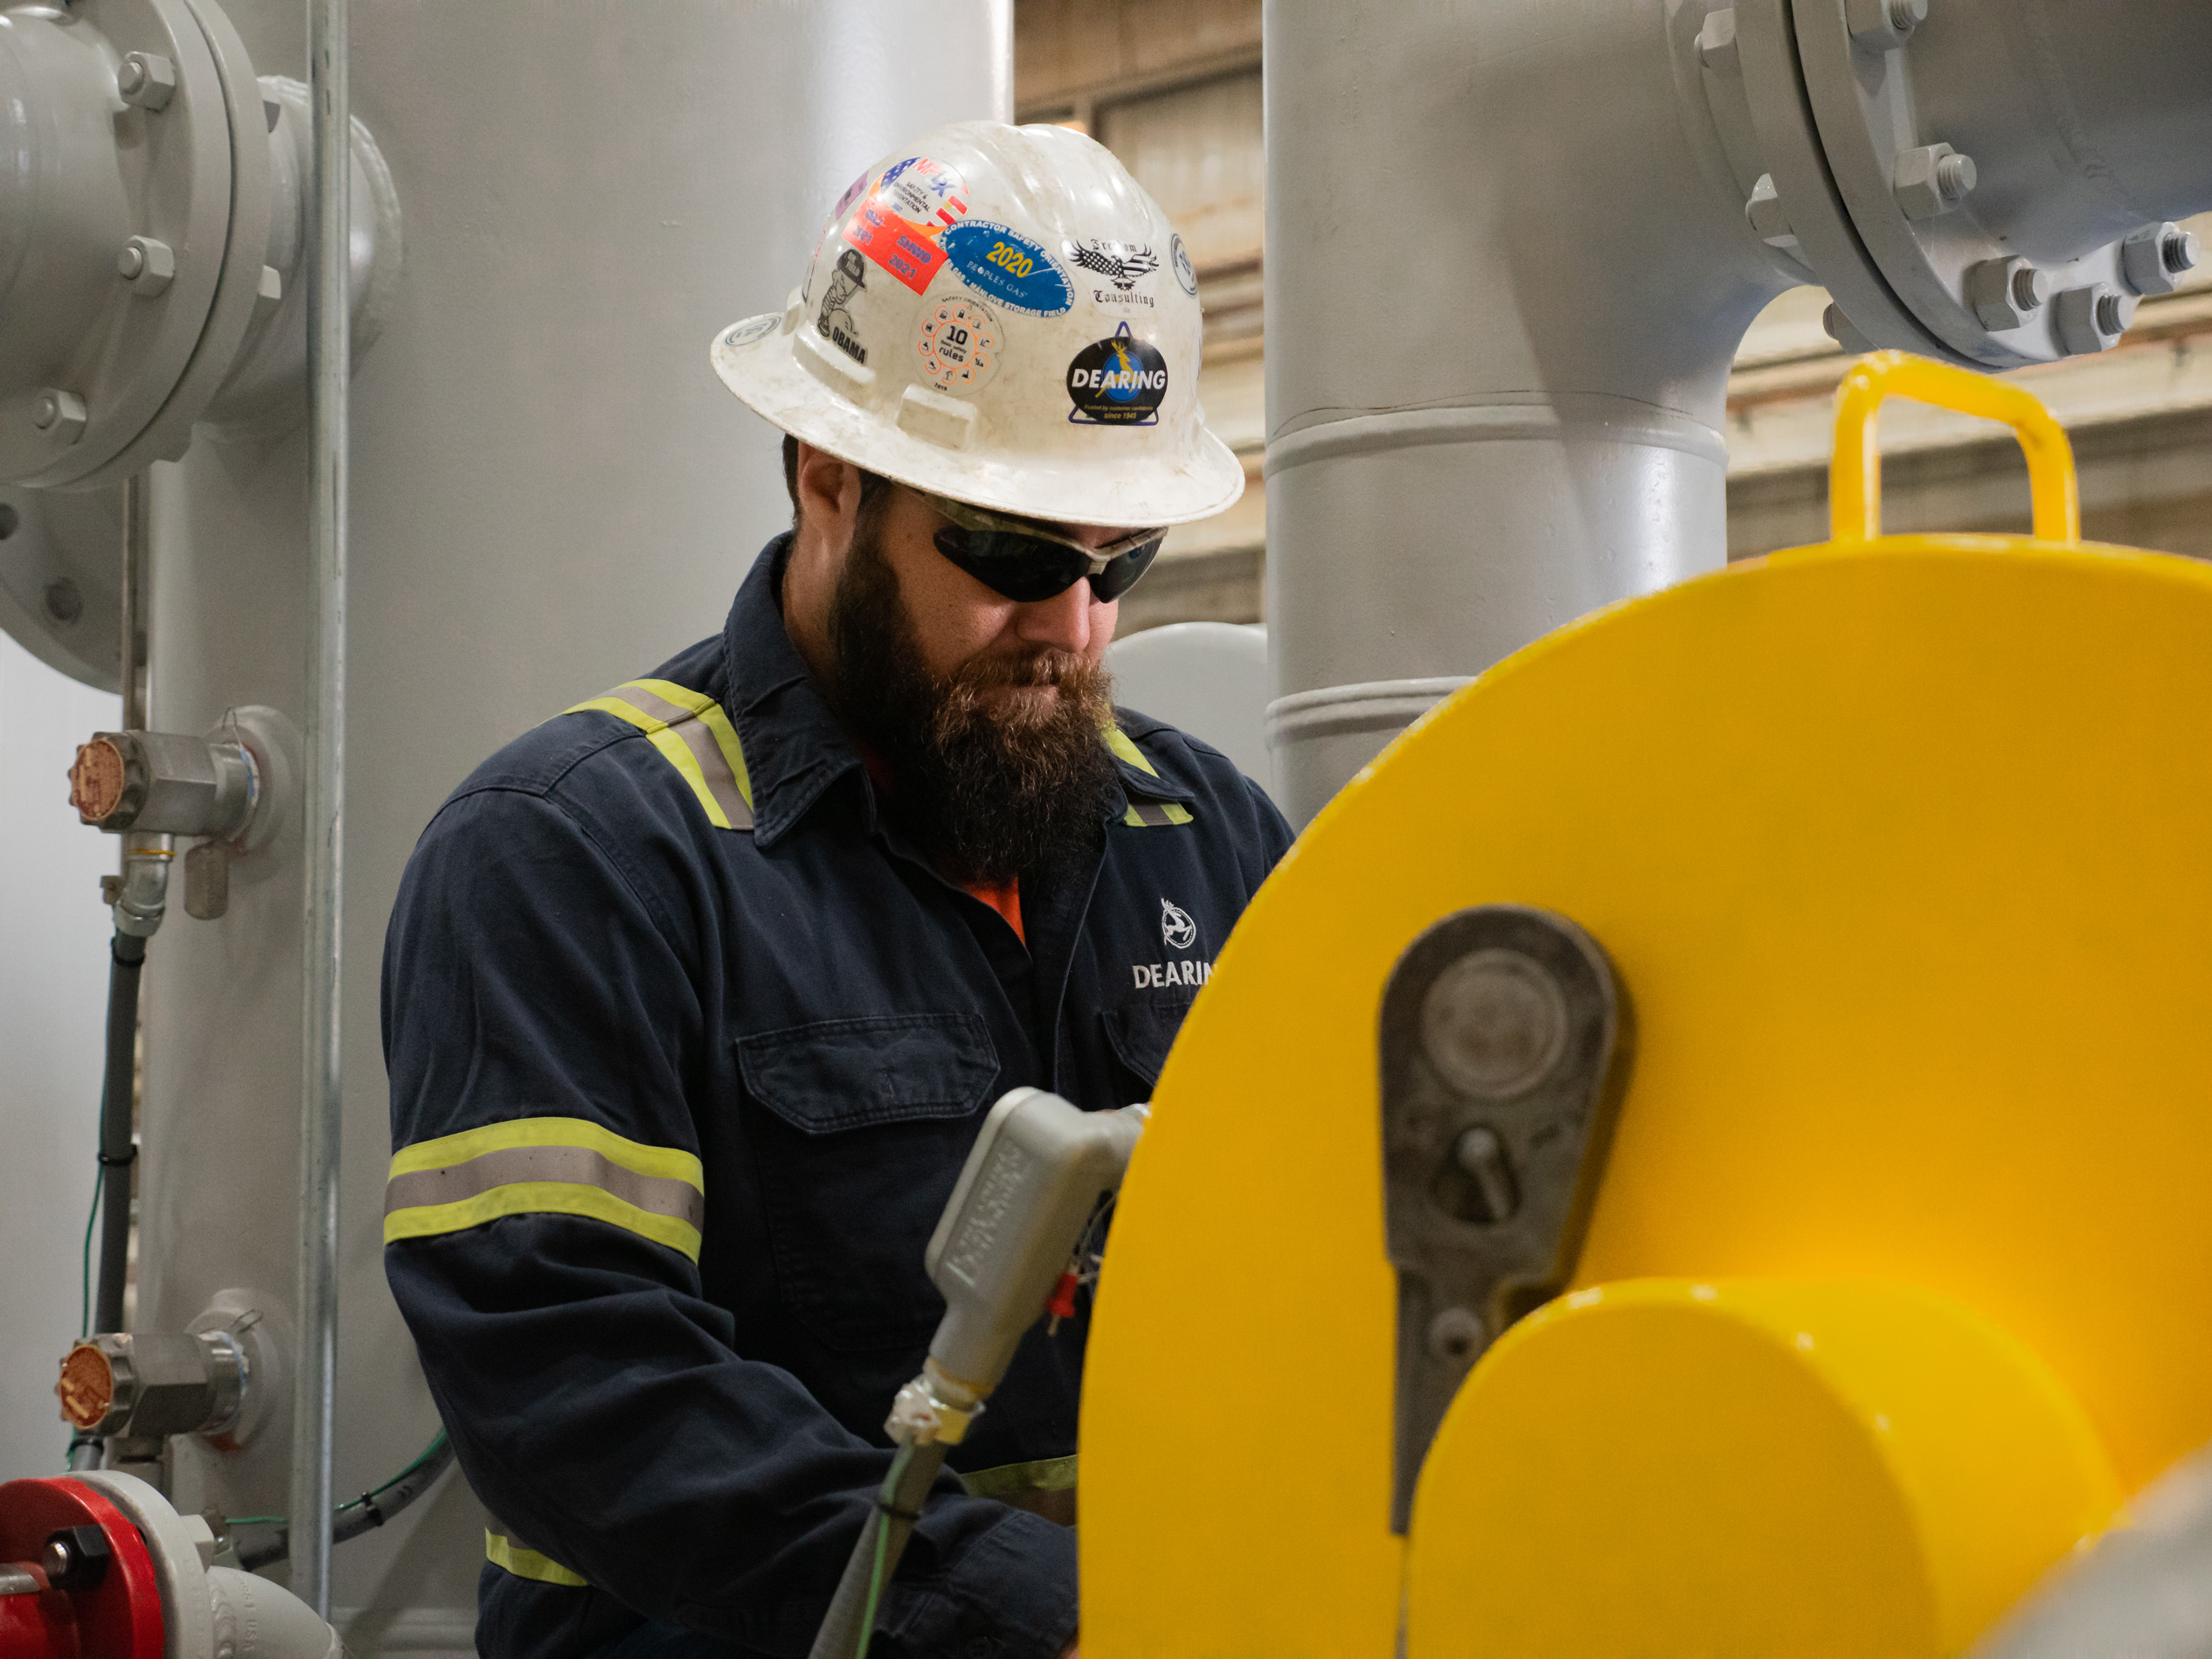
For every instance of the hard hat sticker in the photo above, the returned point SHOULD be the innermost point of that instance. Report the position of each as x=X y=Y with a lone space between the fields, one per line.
x=959 y=344
x=829 y=225
x=835 y=321
x=915 y=201
x=754 y=328
x=1186 y=273
x=903 y=249
x=1122 y=265
x=1118 y=381
x=926 y=193
x=1008 y=267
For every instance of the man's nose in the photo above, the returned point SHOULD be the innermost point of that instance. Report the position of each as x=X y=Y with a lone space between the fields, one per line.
x=1062 y=621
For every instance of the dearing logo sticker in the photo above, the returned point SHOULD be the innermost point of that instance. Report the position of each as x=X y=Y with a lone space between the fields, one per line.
x=1118 y=381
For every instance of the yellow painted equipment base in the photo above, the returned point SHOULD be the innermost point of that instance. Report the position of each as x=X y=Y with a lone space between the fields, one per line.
x=1899 y=847
x=1747 y=1468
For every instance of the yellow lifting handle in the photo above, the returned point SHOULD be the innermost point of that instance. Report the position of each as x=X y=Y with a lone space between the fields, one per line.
x=1855 y=476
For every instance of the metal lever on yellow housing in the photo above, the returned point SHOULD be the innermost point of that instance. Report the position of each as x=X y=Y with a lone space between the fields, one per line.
x=1855 y=476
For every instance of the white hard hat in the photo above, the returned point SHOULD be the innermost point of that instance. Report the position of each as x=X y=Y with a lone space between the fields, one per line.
x=1000 y=315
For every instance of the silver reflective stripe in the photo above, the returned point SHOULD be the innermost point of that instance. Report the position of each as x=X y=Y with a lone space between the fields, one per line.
x=721 y=782
x=1149 y=813
x=568 y=1165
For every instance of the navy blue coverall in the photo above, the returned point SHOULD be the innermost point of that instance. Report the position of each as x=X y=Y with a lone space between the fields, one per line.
x=687 y=1044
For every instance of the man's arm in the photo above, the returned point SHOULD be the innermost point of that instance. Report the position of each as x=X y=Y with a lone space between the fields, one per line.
x=542 y=1025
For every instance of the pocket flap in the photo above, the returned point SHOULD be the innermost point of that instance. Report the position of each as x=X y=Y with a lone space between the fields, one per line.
x=1142 y=1033
x=847 y=1074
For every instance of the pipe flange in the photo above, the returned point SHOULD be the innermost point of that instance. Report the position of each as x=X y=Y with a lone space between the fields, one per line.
x=104 y=170
x=180 y=1569
x=1790 y=143
x=243 y=288
x=61 y=581
x=1911 y=199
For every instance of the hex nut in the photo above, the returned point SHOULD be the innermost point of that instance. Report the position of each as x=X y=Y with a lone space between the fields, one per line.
x=2002 y=292
x=60 y=414
x=1765 y=213
x=2154 y=259
x=1839 y=329
x=1883 y=25
x=147 y=80
x=1716 y=42
x=1932 y=180
x=147 y=264
x=2093 y=317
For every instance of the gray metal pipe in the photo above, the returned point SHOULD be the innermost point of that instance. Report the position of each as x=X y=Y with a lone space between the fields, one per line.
x=329 y=346
x=1514 y=247
x=1506 y=280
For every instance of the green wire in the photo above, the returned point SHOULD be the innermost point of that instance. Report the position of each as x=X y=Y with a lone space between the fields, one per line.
x=84 y=1282
x=882 y=1542
x=84 y=1276
x=437 y=1443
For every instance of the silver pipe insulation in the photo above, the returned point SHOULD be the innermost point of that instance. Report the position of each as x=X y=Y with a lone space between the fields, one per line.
x=330 y=347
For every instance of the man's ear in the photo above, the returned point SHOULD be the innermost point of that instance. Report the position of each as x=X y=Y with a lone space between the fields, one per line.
x=829 y=494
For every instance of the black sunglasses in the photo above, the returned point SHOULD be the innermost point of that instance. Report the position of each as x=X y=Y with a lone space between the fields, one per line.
x=1026 y=562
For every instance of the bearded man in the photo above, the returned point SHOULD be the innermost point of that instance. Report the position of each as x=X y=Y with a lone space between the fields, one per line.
x=696 y=997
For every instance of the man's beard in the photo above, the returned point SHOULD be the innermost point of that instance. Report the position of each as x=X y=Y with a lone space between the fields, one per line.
x=989 y=792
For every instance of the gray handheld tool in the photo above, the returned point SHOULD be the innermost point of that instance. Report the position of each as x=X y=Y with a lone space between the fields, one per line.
x=1032 y=1184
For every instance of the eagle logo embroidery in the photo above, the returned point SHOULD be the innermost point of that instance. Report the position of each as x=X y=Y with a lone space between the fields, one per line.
x=1120 y=263
x=1177 y=927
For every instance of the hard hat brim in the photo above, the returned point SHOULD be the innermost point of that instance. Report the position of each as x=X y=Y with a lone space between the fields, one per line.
x=1115 y=492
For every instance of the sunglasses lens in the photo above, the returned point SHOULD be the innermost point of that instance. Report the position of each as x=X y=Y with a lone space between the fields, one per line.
x=1024 y=568
x=1028 y=568
x=1119 y=577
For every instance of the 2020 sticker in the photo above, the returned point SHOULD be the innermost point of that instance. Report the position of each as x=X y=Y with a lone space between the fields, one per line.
x=959 y=343
x=1008 y=267
x=1118 y=381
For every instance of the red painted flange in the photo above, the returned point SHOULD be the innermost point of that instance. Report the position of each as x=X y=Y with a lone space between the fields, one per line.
x=119 y=1617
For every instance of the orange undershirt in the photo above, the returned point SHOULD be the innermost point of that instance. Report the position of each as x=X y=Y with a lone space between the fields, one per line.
x=1004 y=897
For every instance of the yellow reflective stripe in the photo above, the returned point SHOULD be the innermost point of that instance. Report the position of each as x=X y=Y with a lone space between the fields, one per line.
x=678 y=754
x=649 y=708
x=1117 y=741
x=662 y=1161
x=541 y=1198
x=1154 y=814
x=1045 y=1475
x=528 y=1563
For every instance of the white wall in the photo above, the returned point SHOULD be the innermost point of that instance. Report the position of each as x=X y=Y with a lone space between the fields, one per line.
x=53 y=999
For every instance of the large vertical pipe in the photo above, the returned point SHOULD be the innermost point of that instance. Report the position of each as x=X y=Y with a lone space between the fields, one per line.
x=328 y=318
x=1504 y=282
x=551 y=493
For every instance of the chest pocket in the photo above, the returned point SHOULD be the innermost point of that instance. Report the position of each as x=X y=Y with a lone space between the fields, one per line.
x=866 y=1125
x=1139 y=1036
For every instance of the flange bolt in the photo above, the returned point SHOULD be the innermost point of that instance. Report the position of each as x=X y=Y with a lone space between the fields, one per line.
x=76 y=1557
x=1716 y=42
x=1932 y=179
x=2154 y=259
x=1883 y=25
x=146 y=78
x=147 y=264
x=2003 y=292
x=2093 y=317
x=61 y=413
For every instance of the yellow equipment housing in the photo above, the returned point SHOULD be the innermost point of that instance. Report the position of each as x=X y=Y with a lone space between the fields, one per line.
x=1899 y=1276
